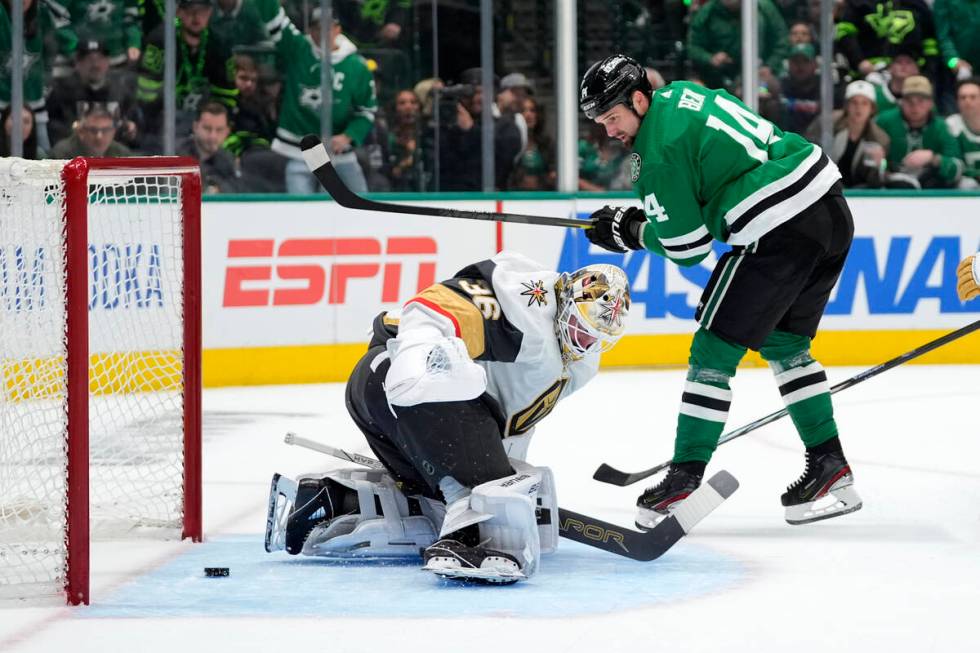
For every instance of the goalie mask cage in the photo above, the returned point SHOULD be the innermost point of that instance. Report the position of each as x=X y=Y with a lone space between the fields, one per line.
x=100 y=383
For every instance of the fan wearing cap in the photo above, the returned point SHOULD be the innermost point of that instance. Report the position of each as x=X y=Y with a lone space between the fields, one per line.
x=888 y=83
x=859 y=145
x=800 y=89
x=203 y=71
x=299 y=60
x=705 y=169
x=94 y=82
x=921 y=146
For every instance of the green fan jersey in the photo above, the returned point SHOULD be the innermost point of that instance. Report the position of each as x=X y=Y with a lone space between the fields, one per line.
x=969 y=142
x=298 y=59
x=707 y=168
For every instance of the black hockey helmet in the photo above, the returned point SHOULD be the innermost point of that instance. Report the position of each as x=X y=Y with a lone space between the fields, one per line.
x=610 y=82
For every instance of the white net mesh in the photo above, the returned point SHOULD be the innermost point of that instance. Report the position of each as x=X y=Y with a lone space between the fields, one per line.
x=135 y=290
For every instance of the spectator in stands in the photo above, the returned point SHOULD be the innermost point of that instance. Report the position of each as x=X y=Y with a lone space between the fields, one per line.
x=921 y=152
x=888 y=85
x=715 y=40
x=253 y=124
x=518 y=87
x=965 y=128
x=535 y=169
x=94 y=135
x=298 y=59
x=868 y=28
x=29 y=150
x=92 y=82
x=113 y=23
x=460 y=153
x=403 y=148
x=203 y=72
x=801 y=31
x=208 y=133
x=859 y=145
x=958 y=31
x=800 y=89
x=237 y=23
x=41 y=27
x=600 y=161
x=378 y=23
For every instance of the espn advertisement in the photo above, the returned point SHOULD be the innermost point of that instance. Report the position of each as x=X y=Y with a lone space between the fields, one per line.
x=311 y=273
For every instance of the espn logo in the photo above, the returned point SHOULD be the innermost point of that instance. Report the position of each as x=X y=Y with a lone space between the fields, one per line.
x=301 y=271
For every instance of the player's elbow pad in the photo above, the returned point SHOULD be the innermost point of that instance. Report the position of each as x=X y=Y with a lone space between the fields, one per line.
x=432 y=370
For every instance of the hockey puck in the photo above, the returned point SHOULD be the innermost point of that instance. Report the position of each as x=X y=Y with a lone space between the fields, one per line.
x=217 y=572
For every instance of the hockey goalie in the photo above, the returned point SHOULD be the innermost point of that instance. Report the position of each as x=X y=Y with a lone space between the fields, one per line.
x=448 y=396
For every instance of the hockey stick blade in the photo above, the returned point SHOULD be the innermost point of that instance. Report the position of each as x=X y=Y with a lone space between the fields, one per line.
x=608 y=474
x=651 y=544
x=318 y=161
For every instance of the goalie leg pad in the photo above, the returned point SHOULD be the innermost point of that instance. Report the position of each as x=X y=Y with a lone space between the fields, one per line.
x=506 y=511
x=358 y=513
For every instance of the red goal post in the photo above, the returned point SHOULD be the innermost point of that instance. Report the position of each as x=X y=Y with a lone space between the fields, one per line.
x=100 y=363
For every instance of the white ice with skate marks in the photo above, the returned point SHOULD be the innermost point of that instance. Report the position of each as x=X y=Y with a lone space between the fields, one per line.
x=902 y=574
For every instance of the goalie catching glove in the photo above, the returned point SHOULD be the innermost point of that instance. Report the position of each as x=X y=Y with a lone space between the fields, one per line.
x=968 y=278
x=617 y=229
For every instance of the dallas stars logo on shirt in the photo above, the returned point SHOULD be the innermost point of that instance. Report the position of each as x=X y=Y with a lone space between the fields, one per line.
x=100 y=11
x=535 y=293
x=311 y=98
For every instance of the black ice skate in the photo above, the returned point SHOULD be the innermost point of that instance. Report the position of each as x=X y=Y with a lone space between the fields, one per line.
x=825 y=490
x=451 y=558
x=658 y=501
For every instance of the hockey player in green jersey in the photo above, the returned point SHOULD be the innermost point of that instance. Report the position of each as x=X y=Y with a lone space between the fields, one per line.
x=707 y=168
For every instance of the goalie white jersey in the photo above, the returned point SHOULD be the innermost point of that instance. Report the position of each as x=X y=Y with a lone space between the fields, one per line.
x=504 y=309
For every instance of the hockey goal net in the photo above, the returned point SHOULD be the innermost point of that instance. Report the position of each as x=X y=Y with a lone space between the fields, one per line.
x=99 y=362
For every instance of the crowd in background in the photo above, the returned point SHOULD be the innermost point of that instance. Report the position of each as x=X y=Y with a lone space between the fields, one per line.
x=906 y=101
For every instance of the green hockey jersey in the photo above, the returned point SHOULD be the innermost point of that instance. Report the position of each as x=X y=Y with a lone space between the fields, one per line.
x=969 y=142
x=708 y=168
x=115 y=23
x=298 y=59
x=41 y=22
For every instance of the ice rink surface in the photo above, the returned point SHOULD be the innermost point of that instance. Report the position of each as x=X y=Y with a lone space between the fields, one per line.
x=902 y=574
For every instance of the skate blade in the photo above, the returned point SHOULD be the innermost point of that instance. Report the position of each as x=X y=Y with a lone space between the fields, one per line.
x=490 y=576
x=839 y=501
x=647 y=519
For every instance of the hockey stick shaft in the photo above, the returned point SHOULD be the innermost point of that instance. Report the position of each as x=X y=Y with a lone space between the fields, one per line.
x=292 y=438
x=318 y=161
x=608 y=474
x=582 y=528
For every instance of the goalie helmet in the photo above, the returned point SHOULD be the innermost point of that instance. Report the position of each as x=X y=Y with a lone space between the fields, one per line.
x=593 y=304
x=610 y=82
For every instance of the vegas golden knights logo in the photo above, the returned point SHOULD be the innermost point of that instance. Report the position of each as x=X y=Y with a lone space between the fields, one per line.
x=525 y=420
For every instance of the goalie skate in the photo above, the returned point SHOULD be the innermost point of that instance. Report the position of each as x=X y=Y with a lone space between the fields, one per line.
x=472 y=564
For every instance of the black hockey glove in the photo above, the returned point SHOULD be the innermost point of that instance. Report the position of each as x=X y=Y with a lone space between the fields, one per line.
x=617 y=229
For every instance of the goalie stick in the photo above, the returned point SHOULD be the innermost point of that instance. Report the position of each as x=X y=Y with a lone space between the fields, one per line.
x=643 y=546
x=609 y=474
x=318 y=161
